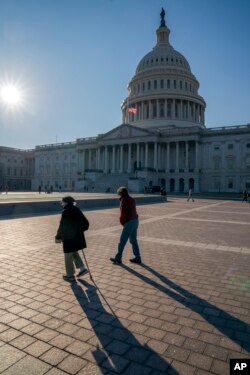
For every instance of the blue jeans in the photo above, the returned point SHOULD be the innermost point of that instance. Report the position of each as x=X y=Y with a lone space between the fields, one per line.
x=129 y=232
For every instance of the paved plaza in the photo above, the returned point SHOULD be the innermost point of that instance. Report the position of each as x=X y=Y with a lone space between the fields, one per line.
x=185 y=310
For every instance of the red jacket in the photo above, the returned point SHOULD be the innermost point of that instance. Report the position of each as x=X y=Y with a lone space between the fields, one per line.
x=128 y=209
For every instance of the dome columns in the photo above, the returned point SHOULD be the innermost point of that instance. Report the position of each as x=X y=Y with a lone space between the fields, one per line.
x=165 y=109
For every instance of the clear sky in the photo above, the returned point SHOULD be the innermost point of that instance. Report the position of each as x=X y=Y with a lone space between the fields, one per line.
x=73 y=60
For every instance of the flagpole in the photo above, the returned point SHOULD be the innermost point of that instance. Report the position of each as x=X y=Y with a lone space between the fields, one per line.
x=127 y=112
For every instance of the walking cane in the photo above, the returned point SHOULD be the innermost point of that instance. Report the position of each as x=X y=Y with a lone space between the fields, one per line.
x=91 y=278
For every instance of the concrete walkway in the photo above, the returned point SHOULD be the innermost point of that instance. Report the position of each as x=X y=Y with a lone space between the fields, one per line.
x=185 y=310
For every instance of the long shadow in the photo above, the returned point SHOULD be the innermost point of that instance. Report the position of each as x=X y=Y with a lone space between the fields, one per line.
x=233 y=328
x=118 y=350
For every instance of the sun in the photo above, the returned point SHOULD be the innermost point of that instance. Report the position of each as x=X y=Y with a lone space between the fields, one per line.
x=11 y=95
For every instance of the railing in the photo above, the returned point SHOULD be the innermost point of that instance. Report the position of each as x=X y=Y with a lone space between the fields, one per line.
x=55 y=145
x=231 y=127
x=87 y=139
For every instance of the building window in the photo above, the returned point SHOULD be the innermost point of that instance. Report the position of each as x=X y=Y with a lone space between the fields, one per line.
x=138 y=87
x=217 y=164
x=230 y=146
x=216 y=148
x=149 y=85
x=155 y=84
x=147 y=111
x=186 y=86
x=162 y=83
x=174 y=84
x=180 y=85
x=143 y=86
x=168 y=83
x=248 y=145
x=230 y=164
x=217 y=183
x=230 y=184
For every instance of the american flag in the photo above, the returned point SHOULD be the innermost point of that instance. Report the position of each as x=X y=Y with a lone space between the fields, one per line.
x=132 y=110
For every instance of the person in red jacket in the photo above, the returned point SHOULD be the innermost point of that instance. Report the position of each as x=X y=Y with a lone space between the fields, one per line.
x=129 y=221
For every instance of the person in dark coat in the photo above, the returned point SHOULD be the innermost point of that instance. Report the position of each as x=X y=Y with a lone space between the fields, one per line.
x=71 y=233
x=244 y=196
x=130 y=223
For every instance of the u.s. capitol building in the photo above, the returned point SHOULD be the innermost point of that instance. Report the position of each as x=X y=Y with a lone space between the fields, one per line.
x=162 y=140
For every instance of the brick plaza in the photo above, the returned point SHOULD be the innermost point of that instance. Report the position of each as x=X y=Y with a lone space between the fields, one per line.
x=185 y=310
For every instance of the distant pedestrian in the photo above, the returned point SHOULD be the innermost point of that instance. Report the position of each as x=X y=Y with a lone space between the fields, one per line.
x=245 y=194
x=190 y=195
x=129 y=221
x=6 y=189
x=248 y=195
x=39 y=189
x=1 y=188
x=71 y=233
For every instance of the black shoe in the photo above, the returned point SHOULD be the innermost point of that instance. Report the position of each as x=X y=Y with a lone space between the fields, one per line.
x=82 y=272
x=116 y=261
x=136 y=260
x=70 y=279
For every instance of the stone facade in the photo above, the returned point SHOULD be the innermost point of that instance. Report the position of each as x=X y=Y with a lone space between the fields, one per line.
x=16 y=168
x=162 y=140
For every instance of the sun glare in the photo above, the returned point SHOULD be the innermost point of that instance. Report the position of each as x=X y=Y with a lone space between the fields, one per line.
x=11 y=95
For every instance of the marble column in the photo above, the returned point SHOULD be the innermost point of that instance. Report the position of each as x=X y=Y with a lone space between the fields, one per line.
x=173 y=108
x=177 y=157
x=106 y=159
x=99 y=158
x=146 y=155
x=90 y=157
x=196 y=156
x=155 y=155
x=157 y=108
x=166 y=108
x=168 y=157
x=113 y=160
x=121 y=158
x=137 y=155
x=187 y=157
x=129 y=158
x=83 y=161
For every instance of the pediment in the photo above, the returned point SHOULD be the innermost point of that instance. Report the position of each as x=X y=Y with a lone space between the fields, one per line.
x=125 y=131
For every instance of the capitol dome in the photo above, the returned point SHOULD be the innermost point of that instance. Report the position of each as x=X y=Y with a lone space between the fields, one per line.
x=163 y=91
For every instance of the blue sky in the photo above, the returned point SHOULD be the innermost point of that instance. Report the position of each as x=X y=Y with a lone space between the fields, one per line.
x=74 y=59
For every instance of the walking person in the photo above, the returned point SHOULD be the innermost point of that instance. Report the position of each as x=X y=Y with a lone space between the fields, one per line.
x=129 y=221
x=39 y=189
x=244 y=196
x=71 y=233
x=190 y=195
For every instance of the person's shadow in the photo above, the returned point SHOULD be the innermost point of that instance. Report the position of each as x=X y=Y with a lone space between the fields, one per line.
x=230 y=326
x=119 y=350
